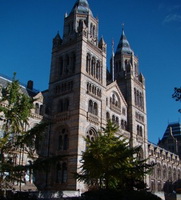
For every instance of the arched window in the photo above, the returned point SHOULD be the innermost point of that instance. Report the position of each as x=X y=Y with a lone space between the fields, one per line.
x=170 y=174
x=95 y=109
x=91 y=29
x=122 y=124
x=98 y=69
x=164 y=172
x=37 y=108
x=90 y=109
x=125 y=125
x=139 y=130
x=117 y=121
x=135 y=96
x=64 y=172
x=158 y=170
x=107 y=116
x=113 y=119
x=61 y=176
x=93 y=66
x=115 y=100
x=90 y=87
x=41 y=110
x=88 y=63
x=174 y=175
x=63 y=140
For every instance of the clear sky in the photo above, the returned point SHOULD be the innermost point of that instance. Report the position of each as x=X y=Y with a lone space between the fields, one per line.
x=152 y=27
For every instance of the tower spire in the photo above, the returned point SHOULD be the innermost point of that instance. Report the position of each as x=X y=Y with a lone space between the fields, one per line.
x=123 y=46
x=82 y=6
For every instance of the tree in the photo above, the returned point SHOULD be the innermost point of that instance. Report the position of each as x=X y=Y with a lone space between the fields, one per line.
x=15 y=140
x=109 y=162
x=177 y=95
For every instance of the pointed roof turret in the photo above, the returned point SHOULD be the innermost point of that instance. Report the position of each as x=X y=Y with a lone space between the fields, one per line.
x=81 y=6
x=123 y=46
x=57 y=41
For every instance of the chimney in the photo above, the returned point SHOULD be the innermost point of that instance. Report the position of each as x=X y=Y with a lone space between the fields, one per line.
x=30 y=85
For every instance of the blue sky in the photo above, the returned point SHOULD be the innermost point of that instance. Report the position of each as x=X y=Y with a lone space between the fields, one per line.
x=153 y=28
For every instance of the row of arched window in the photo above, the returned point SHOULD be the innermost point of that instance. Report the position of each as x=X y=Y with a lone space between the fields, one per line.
x=139 y=130
x=166 y=173
x=64 y=87
x=139 y=117
x=91 y=88
x=114 y=100
x=139 y=100
x=115 y=119
x=67 y=63
x=92 y=30
x=93 y=107
x=63 y=105
x=93 y=67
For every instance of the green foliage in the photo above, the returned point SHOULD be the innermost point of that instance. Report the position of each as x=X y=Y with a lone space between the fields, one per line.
x=15 y=110
x=177 y=95
x=109 y=162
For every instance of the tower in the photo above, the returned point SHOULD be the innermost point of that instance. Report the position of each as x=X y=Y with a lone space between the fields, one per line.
x=132 y=85
x=75 y=98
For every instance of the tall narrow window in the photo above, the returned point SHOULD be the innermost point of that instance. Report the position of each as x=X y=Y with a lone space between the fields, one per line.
x=113 y=119
x=64 y=173
x=37 y=108
x=107 y=116
x=90 y=109
x=61 y=176
x=88 y=63
x=95 y=109
x=63 y=140
x=117 y=121
x=93 y=67
x=98 y=70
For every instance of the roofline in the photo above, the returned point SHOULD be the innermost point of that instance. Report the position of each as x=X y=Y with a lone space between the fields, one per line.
x=22 y=85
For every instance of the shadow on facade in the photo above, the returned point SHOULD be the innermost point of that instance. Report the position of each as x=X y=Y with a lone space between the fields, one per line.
x=172 y=191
